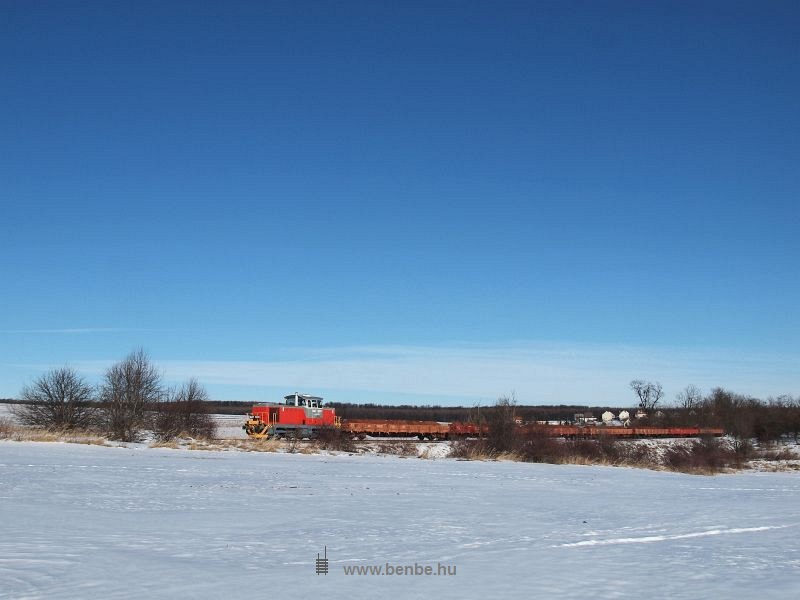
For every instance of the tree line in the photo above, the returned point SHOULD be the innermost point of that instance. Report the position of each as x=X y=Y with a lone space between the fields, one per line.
x=742 y=417
x=130 y=400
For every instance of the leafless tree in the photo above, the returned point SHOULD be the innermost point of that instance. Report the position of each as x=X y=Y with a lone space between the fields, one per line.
x=648 y=392
x=502 y=425
x=293 y=441
x=689 y=397
x=130 y=387
x=184 y=412
x=60 y=398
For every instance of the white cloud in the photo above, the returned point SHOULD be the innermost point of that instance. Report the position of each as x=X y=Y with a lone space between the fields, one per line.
x=538 y=373
x=74 y=330
x=463 y=373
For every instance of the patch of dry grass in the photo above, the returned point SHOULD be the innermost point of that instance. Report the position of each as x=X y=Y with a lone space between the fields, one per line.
x=248 y=445
x=173 y=444
x=775 y=466
x=775 y=454
x=7 y=427
x=397 y=448
x=18 y=433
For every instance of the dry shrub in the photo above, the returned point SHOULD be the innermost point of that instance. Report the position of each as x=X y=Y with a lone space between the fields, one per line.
x=776 y=454
x=635 y=455
x=503 y=431
x=609 y=448
x=59 y=399
x=401 y=448
x=245 y=445
x=333 y=438
x=700 y=456
x=165 y=444
x=292 y=440
x=249 y=445
x=129 y=388
x=537 y=446
x=470 y=449
x=706 y=455
x=185 y=414
x=83 y=437
x=7 y=427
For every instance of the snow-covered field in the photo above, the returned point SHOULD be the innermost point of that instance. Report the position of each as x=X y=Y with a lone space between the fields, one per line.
x=98 y=522
x=230 y=426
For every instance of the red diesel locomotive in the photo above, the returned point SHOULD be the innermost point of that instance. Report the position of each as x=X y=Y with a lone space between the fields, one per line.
x=300 y=416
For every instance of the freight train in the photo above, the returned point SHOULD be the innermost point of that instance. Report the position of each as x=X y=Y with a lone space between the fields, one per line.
x=304 y=416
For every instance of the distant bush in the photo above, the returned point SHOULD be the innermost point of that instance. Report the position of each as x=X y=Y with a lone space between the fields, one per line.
x=537 y=446
x=470 y=449
x=707 y=455
x=776 y=454
x=503 y=431
x=333 y=438
x=635 y=455
x=398 y=448
x=59 y=399
x=130 y=387
x=7 y=427
x=184 y=413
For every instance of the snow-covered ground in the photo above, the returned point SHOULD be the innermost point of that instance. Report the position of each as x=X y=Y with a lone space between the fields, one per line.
x=230 y=426
x=98 y=522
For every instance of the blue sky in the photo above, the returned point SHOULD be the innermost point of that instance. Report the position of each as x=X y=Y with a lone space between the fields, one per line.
x=428 y=202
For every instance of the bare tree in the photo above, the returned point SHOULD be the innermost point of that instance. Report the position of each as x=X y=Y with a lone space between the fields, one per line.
x=689 y=397
x=793 y=416
x=185 y=412
x=502 y=425
x=60 y=398
x=649 y=393
x=129 y=389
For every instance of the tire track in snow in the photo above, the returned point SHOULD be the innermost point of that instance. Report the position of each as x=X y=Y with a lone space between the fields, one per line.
x=648 y=539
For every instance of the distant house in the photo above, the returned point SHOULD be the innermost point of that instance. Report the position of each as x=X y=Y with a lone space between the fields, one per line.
x=585 y=419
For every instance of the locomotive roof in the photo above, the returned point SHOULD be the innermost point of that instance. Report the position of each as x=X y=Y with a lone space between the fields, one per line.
x=306 y=396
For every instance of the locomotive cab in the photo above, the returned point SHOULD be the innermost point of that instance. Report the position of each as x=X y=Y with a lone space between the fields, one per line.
x=303 y=400
x=300 y=415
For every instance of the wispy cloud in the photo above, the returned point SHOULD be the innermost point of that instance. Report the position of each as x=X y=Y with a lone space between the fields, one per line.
x=537 y=372
x=74 y=330
x=540 y=372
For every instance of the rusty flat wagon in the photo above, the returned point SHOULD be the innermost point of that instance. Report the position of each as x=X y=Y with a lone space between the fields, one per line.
x=395 y=428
